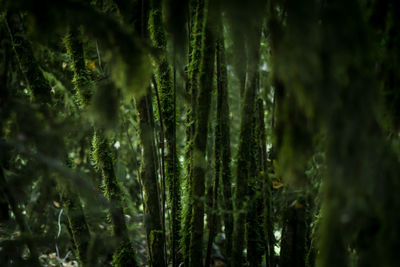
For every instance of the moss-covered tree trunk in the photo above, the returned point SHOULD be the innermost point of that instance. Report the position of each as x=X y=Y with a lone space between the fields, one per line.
x=266 y=185
x=213 y=154
x=201 y=120
x=197 y=11
x=124 y=255
x=223 y=124
x=168 y=110
x=246 y=146
x=148 y=175
x=77 y=222
x=221 y=151
x=254 y=230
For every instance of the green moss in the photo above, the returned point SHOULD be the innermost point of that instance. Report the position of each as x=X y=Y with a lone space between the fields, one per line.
x=203 y=99
x=192 y=72
x=82 y=81
x=185 y=232
x=124 y=255
x=101 y=154
x=156 y=243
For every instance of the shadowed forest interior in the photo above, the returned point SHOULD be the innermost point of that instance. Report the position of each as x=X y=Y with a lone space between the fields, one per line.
x=200 y=133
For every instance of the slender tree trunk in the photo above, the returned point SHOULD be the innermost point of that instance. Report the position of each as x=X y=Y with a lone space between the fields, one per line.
x=212 y=185
x=77 y=222
x=196 y=34
x=148 y=175
x=124 y=254
x=151 y=19
x=254 y=230
x=200 y=141
x=223 y=127
x=167 y=101
x=246 y=145
x=266 y=186
x=294 y=231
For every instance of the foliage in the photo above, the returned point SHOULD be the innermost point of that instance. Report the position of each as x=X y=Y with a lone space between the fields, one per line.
x=199 y=132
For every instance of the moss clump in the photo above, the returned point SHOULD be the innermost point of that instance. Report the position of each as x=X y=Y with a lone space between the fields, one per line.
x=124 y=255
x=82 y=81
x=101 y=154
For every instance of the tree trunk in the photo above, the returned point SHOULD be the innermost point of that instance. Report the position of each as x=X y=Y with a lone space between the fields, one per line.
x=254 y=230
x=199 y=163
x=195 y=47
x=167 y=101
x=268 y=226
x=148 y=175
x=246 y=146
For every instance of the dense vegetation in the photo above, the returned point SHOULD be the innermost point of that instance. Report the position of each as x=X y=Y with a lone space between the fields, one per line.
x=200 y=133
